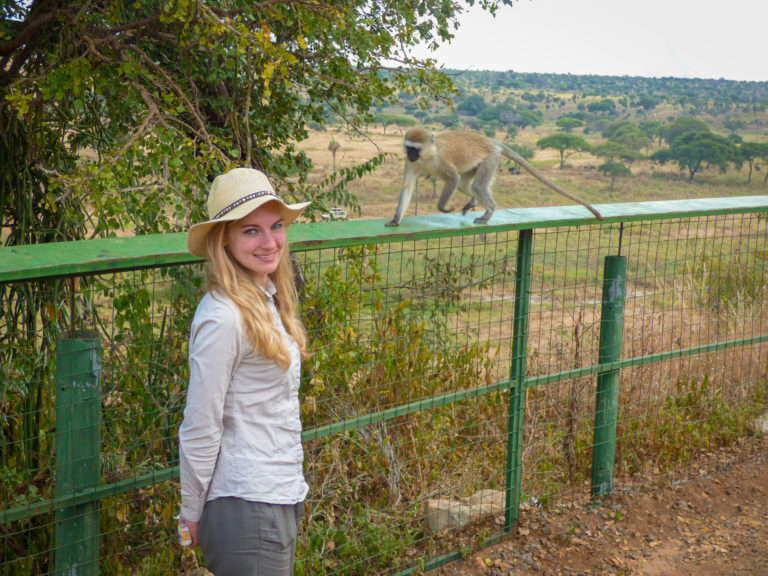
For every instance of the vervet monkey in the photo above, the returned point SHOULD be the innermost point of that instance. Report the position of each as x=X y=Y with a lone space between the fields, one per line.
x=463 y=160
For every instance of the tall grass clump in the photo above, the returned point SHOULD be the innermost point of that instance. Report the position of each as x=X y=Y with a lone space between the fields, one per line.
x=726 y=282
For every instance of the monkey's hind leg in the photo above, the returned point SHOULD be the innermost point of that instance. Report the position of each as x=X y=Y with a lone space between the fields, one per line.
x=481 y=192
x=481 y=185
x=484 y=218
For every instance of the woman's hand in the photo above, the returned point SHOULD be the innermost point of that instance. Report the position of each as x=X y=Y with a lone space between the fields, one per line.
x=192 y=527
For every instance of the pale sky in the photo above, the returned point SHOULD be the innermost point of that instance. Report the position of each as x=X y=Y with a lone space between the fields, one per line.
x=651 y=38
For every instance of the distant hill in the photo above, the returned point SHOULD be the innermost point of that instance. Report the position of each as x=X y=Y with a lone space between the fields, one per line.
x=718 y=90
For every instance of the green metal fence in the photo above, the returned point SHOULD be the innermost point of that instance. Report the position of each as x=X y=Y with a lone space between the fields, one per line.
x=461 y=376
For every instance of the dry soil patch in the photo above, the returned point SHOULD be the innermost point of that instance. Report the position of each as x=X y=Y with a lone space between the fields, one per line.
x=712 y=522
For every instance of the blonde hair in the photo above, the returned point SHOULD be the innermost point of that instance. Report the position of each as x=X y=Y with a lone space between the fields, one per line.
x=227 y=276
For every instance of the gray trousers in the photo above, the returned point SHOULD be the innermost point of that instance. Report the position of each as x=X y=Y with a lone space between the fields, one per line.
x=241 y=538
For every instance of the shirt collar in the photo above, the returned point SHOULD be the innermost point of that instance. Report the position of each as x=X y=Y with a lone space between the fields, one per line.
x=270 y=289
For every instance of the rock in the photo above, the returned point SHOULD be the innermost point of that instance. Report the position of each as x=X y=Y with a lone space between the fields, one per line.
x=759 y=425
x=445 y=514
x=485 y=502
x=450 y=513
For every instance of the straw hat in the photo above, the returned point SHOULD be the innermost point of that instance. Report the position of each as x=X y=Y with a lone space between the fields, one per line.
x=233 y=196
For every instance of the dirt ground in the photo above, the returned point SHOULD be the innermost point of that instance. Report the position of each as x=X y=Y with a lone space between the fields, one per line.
x=712 y=522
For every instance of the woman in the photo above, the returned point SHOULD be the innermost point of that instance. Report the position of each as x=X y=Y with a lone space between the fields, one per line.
x=242 y=486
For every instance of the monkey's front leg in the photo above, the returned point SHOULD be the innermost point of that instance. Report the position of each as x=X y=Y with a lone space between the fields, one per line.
x=402 y=206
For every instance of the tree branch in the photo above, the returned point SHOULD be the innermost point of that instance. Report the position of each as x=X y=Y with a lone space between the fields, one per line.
x=38 y=18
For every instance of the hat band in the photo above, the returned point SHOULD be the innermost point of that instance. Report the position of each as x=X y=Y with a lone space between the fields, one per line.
x=240 y=201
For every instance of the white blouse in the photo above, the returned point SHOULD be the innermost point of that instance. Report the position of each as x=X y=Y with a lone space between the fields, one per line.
x=241 y=432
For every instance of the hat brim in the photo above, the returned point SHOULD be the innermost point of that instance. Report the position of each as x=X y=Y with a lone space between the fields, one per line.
x=197 y=235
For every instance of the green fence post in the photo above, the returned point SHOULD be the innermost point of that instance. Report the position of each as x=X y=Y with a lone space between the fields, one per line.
x=517 y=375
x=78 y=438
x=607 y=397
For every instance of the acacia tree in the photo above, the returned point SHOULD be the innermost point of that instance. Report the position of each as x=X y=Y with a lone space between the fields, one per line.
x=681 y=126
x=398 y=120
x=562 y=143
x=699 y=149
x=614 y=170
x=626 y=134
x=568 y=124
x=652 y=129
x=751 y=151
x=115 y=115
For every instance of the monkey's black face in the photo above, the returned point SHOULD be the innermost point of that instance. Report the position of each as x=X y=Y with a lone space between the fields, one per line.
x=413 y=153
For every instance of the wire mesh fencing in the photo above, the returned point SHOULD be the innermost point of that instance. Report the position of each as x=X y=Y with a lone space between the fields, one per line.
x=458 y=377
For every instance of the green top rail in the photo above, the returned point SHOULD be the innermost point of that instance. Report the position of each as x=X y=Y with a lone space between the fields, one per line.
x=100 y=255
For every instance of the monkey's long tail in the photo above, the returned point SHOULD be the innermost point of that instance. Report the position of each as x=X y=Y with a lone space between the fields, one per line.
x=512 y=155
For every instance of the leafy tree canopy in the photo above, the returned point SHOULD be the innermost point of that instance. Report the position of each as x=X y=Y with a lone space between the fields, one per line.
x=472 y=106
x=609 y=130
x=696 y=150
x=606 y=106
x=563 y=142
x=447 y=120
x=751 y=151
x=393 y=120
x=115 y=115
x=496 y=113
x=651 y=128
x=525 y=151
x=682 y=125
x=614 y=151
x=627 y=134
x=569 y=123
x=614 y=170
x=648 y=101
x=524 y=117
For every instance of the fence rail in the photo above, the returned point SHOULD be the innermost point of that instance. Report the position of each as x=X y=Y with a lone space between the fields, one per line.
x=460 y=375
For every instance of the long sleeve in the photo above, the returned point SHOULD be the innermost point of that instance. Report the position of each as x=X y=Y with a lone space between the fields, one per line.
x=214 y=353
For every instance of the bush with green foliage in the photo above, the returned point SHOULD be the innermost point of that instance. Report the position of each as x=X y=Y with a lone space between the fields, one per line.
x=472 y=106
x=375 y=353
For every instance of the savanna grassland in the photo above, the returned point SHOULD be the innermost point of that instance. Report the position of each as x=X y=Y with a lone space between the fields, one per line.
x=378 y=193
x=729 y=109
